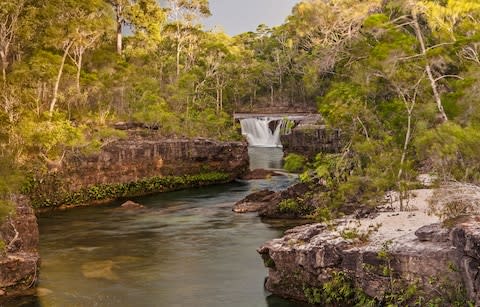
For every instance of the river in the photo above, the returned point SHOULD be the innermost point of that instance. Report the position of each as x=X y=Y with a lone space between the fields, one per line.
x=187 y=249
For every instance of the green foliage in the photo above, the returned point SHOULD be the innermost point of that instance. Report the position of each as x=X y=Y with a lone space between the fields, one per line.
x=454 y=151
x=338 y=291
x=294 y=163
x=288 y=206
x=40 y=191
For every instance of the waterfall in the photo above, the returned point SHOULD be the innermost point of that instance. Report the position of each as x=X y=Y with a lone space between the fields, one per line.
x=259 y=133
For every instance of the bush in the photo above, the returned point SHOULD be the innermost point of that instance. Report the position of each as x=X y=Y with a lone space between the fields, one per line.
x=294 y=163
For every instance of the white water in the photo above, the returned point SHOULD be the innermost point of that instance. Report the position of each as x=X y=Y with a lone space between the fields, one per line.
x=258 y=132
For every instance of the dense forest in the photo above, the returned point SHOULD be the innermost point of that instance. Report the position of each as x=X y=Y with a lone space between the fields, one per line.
x=400 y=78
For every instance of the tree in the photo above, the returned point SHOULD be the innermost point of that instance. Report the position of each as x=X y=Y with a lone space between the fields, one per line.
x=184 y=14
x=119 y=6
x=10 y=15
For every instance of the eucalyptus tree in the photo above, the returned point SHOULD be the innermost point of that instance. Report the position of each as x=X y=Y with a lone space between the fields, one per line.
x=185 y=15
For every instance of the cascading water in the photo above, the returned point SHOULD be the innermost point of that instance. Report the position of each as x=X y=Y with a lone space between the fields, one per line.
x=259 y=133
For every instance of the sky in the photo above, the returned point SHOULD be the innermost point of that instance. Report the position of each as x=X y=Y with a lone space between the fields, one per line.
x=238 y=16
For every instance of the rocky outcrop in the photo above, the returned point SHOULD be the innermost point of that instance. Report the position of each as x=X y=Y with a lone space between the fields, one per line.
x=309 y=140
x=143 y=163
x=466 y=239
x=266 y=202
x=254 y=202
x=19 y=260
x=436 y=262
x=138 y=157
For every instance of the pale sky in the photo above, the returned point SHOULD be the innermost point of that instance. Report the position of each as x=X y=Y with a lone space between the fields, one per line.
x=238 y=16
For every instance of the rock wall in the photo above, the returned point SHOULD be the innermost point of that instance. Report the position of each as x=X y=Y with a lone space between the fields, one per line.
x=139 y=165
x=436 y=261
x=140 y=157
x=20 y=260
x=311 y=140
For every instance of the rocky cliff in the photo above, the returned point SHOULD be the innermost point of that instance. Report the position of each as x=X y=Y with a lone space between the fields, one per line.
x=309 y=140
x=384 y=259
x=19 y=259
x=139 y=165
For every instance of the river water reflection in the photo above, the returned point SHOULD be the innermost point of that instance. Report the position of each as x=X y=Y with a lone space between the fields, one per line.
x=187 y=249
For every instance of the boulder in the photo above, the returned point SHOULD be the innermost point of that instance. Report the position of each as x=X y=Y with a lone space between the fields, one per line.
x=266 y=202
x=130 y=205
x=253 y=202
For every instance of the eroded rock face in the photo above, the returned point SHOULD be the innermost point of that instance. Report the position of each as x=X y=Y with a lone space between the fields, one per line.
x=138 y=165
x=310 y=140
x=139 y=157
x=254 y=202
x=266 y=202
x=466 y=239
x=19 y=264
x=307 y=256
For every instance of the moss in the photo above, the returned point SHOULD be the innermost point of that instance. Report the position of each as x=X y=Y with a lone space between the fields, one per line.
x=51 y=193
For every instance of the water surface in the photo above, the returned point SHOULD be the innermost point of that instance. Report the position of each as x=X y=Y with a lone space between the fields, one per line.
x=186 y=249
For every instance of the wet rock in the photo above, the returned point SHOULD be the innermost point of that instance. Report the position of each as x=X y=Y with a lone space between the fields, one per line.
x=433 y=233
x=253 y=202
x=41 y=292
x=266 y=202
x=130 y=205
x=260 y=174
x=19 y=265
x=271 y=208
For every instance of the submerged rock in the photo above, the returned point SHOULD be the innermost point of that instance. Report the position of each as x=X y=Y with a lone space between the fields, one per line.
x=260 y=174
x=130 y=205
x=100 y=270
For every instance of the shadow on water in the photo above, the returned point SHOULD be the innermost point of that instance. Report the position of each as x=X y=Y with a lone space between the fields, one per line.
x=187 y=249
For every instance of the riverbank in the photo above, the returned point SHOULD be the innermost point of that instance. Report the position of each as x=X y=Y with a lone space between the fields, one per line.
x=183 y=248
x=135 y=166
x=392 y=255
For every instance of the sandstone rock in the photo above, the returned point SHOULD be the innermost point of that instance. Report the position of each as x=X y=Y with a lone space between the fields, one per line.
x=433 y=233
x=143 y=156
x=307 y=256
x=253 y=202
x=260 y=174
x=100 y=270
x=465 y=236
x=309 y=140
x=271 y=209
x=19 y=265
x=266 y=202
x=130 y=205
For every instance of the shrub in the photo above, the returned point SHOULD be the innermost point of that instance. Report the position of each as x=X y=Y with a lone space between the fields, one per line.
x=294 y=163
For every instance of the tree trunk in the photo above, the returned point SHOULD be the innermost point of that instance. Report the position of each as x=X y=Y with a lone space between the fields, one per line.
x=118 y=10
x=59 y=77
x=3 y=56
x=79 y=69
x=271 y=95
x=178 y=50
x=428 y=69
